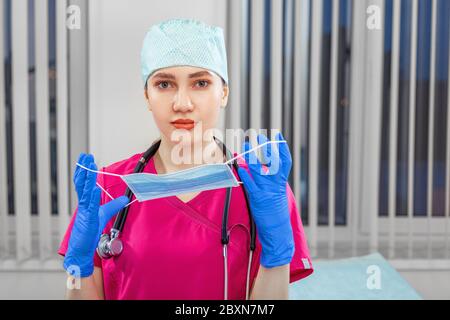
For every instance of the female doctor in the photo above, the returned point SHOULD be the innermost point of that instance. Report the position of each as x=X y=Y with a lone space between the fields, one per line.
x=172 y=245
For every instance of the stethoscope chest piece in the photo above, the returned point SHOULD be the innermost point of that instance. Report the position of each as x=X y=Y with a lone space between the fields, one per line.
x=108 y=247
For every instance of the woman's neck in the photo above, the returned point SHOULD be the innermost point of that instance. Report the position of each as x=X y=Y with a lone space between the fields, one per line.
x=172 y=156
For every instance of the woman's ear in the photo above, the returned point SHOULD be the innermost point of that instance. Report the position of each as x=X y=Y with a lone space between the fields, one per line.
x=147 y=99
x=224 y=100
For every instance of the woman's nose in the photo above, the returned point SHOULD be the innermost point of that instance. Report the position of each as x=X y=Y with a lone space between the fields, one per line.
x=182 y=102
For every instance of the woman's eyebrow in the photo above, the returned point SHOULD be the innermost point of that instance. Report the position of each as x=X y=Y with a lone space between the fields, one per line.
x=199 y=74
x=162 y=75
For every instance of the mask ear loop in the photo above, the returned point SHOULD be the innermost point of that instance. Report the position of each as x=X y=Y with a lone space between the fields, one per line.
x=253 y=149
x=106 y=192
x=108 y=174
x=99 y=172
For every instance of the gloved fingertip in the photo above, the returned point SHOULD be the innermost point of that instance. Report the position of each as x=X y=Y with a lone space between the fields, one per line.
x=88 y=158
x=123 y=200
x=279 y=136
x=261 y=138
x=244 y=149
x=81 y=158
x=92 y=166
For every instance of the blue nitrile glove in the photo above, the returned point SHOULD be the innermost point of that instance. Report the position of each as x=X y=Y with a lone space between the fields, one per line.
x=90 y=220
x=268 y=201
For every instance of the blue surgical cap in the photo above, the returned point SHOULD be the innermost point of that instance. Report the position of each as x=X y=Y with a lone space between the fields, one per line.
x=184 y=42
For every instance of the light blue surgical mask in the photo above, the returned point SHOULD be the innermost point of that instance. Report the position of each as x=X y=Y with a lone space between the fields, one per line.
x=148 y=186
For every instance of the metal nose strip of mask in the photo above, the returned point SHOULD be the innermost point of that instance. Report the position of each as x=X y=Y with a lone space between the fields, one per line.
x=120 y=176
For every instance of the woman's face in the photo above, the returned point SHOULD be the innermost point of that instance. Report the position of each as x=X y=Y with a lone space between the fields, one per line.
x=185 y=100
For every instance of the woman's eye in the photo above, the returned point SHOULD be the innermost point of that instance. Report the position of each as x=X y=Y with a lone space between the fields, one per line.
x=202 y=83
x=163 y=85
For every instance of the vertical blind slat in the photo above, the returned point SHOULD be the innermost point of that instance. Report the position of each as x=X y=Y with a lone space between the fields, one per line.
x=3 y=170
x=42 y=128
x=221 y=121
x=245 y=70
x=431 y=124
x=332 y=126
x=412 y=118
x=301 y=18
x=21 y=139
x=235 y=25
x=62 y=114
x=356 y=100
x=256 y=75
x=287 y=73
x=276 y=46
x=316 y=54
x=236 y=36
x=393 y=124
x=447 y=183
x=372 y=128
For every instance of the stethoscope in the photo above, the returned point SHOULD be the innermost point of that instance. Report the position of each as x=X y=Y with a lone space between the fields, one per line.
x=110 y=244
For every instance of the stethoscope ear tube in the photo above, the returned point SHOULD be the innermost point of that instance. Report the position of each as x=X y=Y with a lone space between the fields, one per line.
x=252 y=223
x=226 y=208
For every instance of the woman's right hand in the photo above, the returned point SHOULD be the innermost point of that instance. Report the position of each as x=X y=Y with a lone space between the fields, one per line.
x=90 y=220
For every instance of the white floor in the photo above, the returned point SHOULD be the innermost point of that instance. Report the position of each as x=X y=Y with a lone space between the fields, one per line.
x=429 y=284
x=51 y=284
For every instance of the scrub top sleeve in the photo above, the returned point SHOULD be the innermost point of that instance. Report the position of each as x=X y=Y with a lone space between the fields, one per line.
x=301 y=265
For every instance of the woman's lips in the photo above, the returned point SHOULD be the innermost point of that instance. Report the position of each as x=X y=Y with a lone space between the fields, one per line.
x=183 y=124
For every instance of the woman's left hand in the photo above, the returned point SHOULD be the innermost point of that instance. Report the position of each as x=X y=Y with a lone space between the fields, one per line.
x=266 y=191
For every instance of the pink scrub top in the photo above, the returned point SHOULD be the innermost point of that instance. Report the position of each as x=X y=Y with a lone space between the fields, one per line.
x=173 y=249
